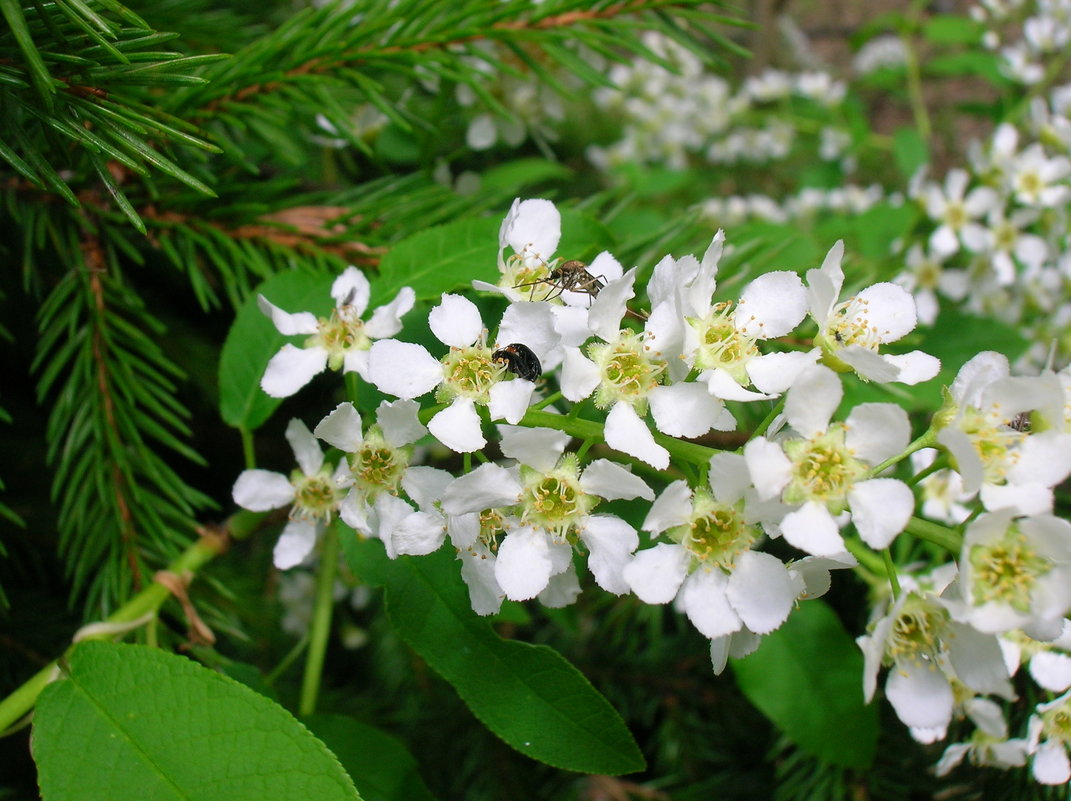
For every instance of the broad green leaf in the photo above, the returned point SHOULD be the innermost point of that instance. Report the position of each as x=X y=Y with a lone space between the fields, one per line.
x=953 y=29
x=910 y=151
x=583 y=237
x=380 y=765
x=807 y=678
x=253 y=340
x=973 y=64
x=130 y=722
x=876 y=228
x=515 y=175
x=441 y=259
x=529 y=695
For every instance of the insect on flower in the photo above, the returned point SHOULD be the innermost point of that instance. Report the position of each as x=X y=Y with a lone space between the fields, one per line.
x=519 y=360
x=569 y=276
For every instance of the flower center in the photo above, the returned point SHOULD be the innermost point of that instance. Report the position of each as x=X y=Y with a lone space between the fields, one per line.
x=955 y=216
x=627 y=369
x=1006 y=571
x=995 y=444
x=721 y=345
x=316 y=497
x=716 y=533
x=469 y=373
x=849 y=324
x=342 y=332
x=492 y=527
x=916 y=632
x=823 y=469
x=1056 y=723
x=555 y=501
x=377 y=466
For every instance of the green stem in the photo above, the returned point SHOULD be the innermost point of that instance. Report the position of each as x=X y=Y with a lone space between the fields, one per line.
x=765 y=424
x=147 y=602
x=943 y=536
x=890 y=571
x=321 y=622
x=927 y=440
x=914 y=72
x=247 y=448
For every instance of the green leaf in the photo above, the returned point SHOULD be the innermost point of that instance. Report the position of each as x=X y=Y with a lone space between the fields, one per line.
x=253 y=340
x=130 y=722
x=910 y=151
x=879 y=226
x=515 y=175
x=442 y=258
x=529 y=695
x=953 y=29
x=807 y=678
x=380 y=765
x=973 y=64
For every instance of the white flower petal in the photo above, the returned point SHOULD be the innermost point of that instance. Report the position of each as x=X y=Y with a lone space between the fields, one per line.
x=306 y=449
x=774 y=373
x=562 y=589
x=771 y=306
x=532 y=325
x=351 y=288
x=610 y=541
x=286 y=323
x=823 y=285
x=536 y=447
x=403 y=369
x=579 y=375
x=458 y=426
x=294 y=544
x=463 y=530
x=426 y=485
x=604 y=316
x=1051 y=670
x=811 y=528
x=523 y=566
x=722 y=385
x=535 y=228
x=627 y=432
x=262 y=490
x=1044 y=458
x=728 y=476
x=356 y=361
x=386 y=321
x=920 y=694
x=814 y=396
x=881 y=508
x=872 y=366
x=915 y=367
x=656 y=574
x=341 y=428
x=1050 y=764
x=292 y=368
x=508 y=400
x=965 y=458
x=354 y=511
x=761 y=591
x=684 y=410
x=478 y=572
x=487 y=487
x=399 y=423
x=613 y=482
x=456 y=321
x=876 y=431
x=977 y=374
x=890 y=310
x=388 y=513
x=703 y=598
x=1022 y=499
x=768 y=466
x=419 y=534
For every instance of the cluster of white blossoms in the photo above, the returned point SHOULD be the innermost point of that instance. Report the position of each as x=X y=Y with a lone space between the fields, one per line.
x=592 y=389
x=1028 y=35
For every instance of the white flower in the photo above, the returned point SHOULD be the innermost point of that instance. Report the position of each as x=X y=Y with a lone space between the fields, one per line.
x=851 y=332
x=824 y=471
x=988 y=745
x=1040 y=181
x=720 y=583
x=340 y=342
x=942 y=491
x=956 y=215
x=1049 y=737
x=314 y=492
x=467 y=376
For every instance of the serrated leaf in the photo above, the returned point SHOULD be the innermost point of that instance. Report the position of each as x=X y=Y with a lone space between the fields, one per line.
x=807 y=678
x=253 y=340
x=381 y=767
x=528 y=695
x=131 y=722
x=442 y=258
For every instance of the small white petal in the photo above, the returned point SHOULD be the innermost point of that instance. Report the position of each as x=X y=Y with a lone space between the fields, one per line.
x=306 y=449
x=456 y=321
x=536 y=447
x=463 y=530
x=531 y=324
x=262 y=490
x=403 y=369
x=977 y=374
x=1050 y=764
x=419 y=534
x=719 y=653
x=458 y=427
x=915 y=367
x=1044 y=458
x=579 y=375
x=703 y=597
x=523 y=566
x=399 y=423
x=770 y=469
x=351 y=288
x=604 y=316
x=610 y=541
x=535 y=227
x=626 y=432
x=1051 y=670
x=562 y=589
x=508 y=400
x=354 y=511
x=1022 y=499
x=872 y=366
x=920 y=694
x=876 y=431
x=487 y=487
x=761 y=591
x=386 y=321
x=774 y=373
x=292 y=368
x=356 y=361
x=890 y=310
x=812 y=529
x=478 y=572
x=813 y=398
x=656 y=574
x=823 y=285
x=673 y=508
x=722 y=385
x=294 y=544
x=684 y=410
x=881 y=508
x=426 y=485
x=772 y=305
x=389 y=512
x=728 y=476
x=288 y=324
x=965 y=458
x=613 y=482
x=341 y=428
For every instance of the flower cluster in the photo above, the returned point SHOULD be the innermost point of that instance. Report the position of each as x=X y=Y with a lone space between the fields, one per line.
x=593 y=389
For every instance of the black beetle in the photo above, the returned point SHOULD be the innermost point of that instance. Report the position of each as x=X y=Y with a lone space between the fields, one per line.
x=519 y=360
